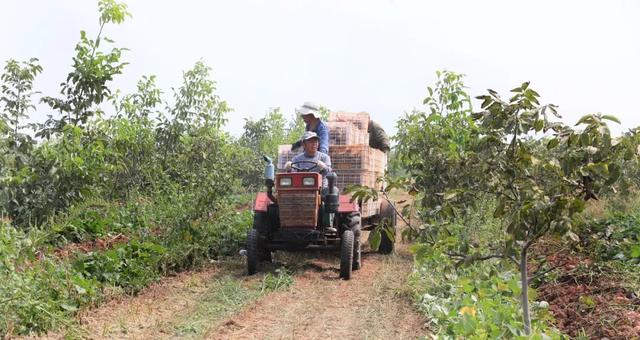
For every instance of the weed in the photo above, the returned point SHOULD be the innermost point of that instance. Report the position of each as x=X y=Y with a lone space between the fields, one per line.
x=280 y=279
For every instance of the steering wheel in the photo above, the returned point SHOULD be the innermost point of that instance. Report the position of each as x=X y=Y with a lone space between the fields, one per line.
x=294 y=165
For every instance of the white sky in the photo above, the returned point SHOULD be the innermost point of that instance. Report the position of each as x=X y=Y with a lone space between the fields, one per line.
x=373 y=55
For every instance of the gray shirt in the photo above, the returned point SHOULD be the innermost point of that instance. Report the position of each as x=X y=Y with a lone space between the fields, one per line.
x=320 y=156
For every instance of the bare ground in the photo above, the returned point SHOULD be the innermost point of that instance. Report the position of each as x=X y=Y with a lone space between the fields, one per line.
x=220 y=302
x=374 y=304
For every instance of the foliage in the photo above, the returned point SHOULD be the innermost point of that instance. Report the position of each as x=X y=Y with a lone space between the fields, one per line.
x=615 y=237
x=86 y=84
x=36 y=294
x=157 y=178
x=478 y=301
x=457 y=161
x=17 y=89
x=265 y=134
x=436 y=148
x=41 y=291
x=131 y=266
x=15 y=147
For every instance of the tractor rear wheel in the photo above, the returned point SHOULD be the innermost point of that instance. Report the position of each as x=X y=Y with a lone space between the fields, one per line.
x=388 y=212
x=346 y=255
x=357 y=255
x=252 y=251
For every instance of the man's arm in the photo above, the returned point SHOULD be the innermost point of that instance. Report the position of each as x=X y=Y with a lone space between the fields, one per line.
x=326 y=160
x=323 y=135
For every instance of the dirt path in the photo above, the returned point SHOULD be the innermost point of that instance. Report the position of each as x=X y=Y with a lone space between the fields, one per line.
x=220 y=302
x=374 y=304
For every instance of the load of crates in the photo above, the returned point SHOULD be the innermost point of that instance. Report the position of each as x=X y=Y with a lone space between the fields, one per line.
x=352 y=159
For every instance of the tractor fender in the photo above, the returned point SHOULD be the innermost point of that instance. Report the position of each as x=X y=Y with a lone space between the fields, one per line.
x=262 y=202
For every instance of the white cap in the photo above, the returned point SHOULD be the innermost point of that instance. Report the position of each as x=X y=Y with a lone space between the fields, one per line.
x=309 y=135
x=308 y=108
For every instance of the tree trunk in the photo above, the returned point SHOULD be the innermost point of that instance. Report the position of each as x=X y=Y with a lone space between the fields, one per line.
x=524 y=279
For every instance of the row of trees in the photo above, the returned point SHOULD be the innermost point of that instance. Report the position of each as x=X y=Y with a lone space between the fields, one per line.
x=145 y=146
x=155 y=181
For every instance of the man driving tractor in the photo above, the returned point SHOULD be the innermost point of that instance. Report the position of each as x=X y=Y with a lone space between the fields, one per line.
x=311 y=156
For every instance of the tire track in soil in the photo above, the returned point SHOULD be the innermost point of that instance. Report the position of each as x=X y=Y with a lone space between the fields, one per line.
x=374 y=304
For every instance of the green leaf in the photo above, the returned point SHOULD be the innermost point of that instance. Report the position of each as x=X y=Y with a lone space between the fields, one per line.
x=538 y=125
x=586 y=119
x=375 y=238
x=635 y=251
x=68 y=308
x=552 y=143
x=499 y=212
x=450 y=195
x=612 y=118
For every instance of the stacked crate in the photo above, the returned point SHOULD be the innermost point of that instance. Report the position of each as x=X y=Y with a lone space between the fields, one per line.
x=360 y=119
x=346 y=133
x=285 y=155
x=357 y=164
x=353 y=160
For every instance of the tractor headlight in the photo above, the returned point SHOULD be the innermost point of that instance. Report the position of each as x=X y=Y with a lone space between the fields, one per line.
x=309 y=181
x=285 y=181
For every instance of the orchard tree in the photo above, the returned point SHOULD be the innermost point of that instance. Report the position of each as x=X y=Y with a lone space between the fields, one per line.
x=16 y=90
x=535 y=173
x=93 y=68
x=540 y=196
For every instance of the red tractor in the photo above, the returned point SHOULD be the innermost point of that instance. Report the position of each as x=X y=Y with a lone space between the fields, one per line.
x=301 y=214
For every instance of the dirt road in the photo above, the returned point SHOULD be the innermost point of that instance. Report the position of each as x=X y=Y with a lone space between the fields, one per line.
x=374 y=304
x=299 y=297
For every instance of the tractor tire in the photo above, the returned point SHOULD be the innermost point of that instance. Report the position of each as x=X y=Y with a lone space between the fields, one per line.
x=253 y=252
x=260 y=222
x=357 y=255
x=346 y=254
x=387 y=244
x=352 y=222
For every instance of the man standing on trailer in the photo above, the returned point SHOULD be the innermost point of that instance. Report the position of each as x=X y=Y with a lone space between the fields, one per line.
x=309 y=113
x=378 y=138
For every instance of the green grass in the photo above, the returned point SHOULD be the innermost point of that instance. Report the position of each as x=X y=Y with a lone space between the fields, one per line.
x=225 y=297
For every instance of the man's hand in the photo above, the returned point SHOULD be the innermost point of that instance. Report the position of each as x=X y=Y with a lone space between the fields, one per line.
x=287 y=165
x=322 y=165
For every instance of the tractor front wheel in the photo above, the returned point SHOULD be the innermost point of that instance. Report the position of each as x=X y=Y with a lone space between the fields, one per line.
x=351 y=222
x=346 y=254
x=252 y=251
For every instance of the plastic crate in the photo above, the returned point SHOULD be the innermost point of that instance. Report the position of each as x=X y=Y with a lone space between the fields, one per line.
x=357 y=157
x=360 y=119
x=346 y=178
x=346 y=133
x=285 y=155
